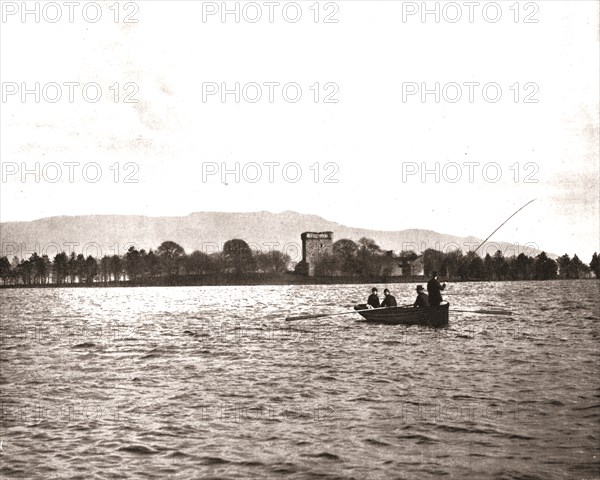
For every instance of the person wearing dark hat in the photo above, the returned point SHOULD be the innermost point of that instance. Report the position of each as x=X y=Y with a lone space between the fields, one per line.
x=422 y=298
x=389 y=300
x=434 y=289
x=373 y=301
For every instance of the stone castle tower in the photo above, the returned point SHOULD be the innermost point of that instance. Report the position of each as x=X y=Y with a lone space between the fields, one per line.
x=314 y=245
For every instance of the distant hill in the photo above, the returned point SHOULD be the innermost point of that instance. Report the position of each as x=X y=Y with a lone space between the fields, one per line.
x=98 y=235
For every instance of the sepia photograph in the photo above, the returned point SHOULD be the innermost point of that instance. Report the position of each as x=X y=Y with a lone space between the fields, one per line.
x=311 y=239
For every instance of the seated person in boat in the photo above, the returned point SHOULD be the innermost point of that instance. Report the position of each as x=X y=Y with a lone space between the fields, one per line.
x=373 y=301
x=422 y=298
x=434 y=289
x=389 y=300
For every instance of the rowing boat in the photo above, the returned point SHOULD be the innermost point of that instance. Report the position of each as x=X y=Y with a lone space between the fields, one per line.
x=429 y=316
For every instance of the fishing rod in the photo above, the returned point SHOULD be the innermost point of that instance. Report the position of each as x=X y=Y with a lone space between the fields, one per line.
x=503 y=223
x=490 y=235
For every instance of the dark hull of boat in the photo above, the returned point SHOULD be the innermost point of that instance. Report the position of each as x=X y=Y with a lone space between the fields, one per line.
x=428 y=316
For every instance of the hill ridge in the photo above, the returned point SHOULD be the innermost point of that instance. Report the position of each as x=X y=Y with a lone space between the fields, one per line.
x=114 y=233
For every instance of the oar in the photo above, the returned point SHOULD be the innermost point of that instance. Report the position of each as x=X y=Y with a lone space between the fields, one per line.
x=485 y=312
x=319 y=315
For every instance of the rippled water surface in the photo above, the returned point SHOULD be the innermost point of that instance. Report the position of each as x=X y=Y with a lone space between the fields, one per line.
x=211 y=382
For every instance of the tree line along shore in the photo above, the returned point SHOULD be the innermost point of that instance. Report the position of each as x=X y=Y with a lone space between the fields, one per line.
x=237 y=264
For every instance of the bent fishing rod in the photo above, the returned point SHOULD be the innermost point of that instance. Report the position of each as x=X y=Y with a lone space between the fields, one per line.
x=490 y=235
x=503 y=223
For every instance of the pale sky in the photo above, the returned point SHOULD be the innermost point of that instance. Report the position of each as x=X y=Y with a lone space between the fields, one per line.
x=370 y=136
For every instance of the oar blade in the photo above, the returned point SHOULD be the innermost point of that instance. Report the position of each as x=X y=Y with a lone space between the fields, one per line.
x=485 y=312
x=494 y=312
x=304 y=317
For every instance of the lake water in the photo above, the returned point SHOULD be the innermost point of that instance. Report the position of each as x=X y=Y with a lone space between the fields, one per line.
x=211 y=382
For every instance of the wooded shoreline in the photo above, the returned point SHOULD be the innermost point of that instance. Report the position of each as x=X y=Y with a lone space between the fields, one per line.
x=274 y=279
x=346 y=262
